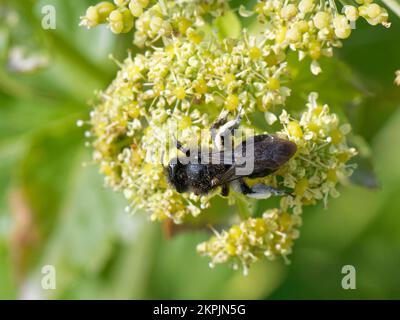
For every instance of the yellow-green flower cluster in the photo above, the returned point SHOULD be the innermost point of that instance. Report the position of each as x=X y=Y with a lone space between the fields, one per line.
x=397 y=79
x=154 y=91
x=313 y=28
x=269 y=236
x=129 y=154
x=142 y=173
x=182 y=87
x=321 y=160
x=177 y=19
x=312 y=175
x=128 y=141
x=234 y=74
x=154 y=19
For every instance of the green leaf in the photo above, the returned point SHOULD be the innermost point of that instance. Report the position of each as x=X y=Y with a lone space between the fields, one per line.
x=84 y=230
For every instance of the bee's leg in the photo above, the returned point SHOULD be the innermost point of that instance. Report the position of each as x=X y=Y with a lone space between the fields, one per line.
x=223 y=129
x=240 y=186
x=180 y=147
x=262 y=191
x=224 y=190
x=222 y=119
x=258 y=191
x=215 y=127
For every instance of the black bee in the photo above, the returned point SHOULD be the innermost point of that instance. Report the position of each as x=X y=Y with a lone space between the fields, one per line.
x=201 y=173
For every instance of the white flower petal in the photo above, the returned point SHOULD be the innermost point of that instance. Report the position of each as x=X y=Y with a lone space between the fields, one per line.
x=315 y=68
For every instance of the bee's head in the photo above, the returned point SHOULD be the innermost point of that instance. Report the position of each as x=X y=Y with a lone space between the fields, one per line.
x=177 y=175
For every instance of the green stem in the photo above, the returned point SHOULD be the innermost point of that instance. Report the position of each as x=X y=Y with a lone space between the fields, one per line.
x=346 y=2
x=244 y=207
x=332 y=4
x=13 y=87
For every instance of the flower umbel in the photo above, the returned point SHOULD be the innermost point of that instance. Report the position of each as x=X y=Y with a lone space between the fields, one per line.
x=321 y=159
x=187 y=72
x=154 y=20
x=313 y=28
x=269 y=236
x=312 y=175
x=155 y=91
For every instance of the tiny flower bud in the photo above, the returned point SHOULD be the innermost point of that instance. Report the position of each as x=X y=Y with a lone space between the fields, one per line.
x=342 y=26
x=91 y=19
x=289 y=11
x=232 y=102
x=255 y=53
x=322 y=19
x=104 y=9
x=294 y=129
x=373 y=10
x=351 y=13
x=135 y=8
x=180 y=93
x=273 y=84
x=306 y=6
x=293 y=35
x=183 y=25
x=120 y=3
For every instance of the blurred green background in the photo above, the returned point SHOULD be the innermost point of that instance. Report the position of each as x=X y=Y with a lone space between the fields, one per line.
x=55 y=211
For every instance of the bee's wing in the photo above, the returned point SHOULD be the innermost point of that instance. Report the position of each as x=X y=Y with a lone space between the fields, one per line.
x=219 y=157
x=267 y=152
x=228 y=176
x=250 y=150
x=226 y=157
